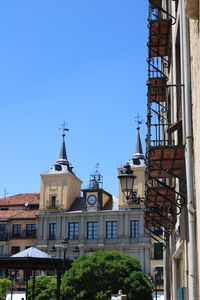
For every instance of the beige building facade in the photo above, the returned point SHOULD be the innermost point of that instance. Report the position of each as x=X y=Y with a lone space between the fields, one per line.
x=72 y=223
x=195 y=96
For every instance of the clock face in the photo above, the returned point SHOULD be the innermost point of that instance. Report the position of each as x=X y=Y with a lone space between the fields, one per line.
x=91 y=199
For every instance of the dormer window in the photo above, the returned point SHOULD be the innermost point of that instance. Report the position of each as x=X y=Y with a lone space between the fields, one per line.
x=53 y=201
x=58 y=167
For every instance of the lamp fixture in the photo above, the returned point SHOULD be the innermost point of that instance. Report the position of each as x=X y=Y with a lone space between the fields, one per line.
x=65 y=243
x=127 y=178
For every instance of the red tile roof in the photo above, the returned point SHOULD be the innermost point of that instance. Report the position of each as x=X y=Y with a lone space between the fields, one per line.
x=20 y=199
x=18 y=214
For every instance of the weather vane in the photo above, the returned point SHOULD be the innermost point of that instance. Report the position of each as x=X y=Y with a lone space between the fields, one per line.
x=64 y=128
x=97 y=166
x=138 y=120
x=5 y=193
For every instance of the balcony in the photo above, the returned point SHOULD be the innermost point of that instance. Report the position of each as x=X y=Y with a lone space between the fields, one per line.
x=155 y=3
x=156 y=216
x=166 y=161
x=160 y=196
x=3 y=236
x=28 y=234
x=50 y=206
x=157 y=89
x=159 y=38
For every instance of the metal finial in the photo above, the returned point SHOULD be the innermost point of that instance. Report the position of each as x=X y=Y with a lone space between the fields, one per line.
x=64 y=128
x=5 y=193
x=97 y=166
x=138 y=120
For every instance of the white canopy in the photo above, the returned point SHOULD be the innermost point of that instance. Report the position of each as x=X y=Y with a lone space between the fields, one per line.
x=32 y=252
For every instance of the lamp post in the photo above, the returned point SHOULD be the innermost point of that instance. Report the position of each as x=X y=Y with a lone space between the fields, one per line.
x=65 y=243
x=76 y=250
x=12 y=277
x=156 y=291
x=127 y=178
x=154 y=279
x=53 y=251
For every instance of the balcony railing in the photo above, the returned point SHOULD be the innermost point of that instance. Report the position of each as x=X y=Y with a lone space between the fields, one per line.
x=4 y=236
x=165 y=150
x=24 y=234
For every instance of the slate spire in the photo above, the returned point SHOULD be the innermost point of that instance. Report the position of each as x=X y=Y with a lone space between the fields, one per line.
x=138 y=157
x=63 y=153
x=138 y=147
x=63 y=161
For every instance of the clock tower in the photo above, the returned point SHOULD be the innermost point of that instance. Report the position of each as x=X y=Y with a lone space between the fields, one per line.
x=95 y=198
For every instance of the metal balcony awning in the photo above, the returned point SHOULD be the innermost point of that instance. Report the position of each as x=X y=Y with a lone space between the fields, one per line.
x=157 y=89
x=160 y=196
x=159 y=33
x=155 y=3
x=155 y=219
x=165 y=161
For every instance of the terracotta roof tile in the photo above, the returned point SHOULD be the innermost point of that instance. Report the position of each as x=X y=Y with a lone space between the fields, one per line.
x=20 y=199
x=17 y=214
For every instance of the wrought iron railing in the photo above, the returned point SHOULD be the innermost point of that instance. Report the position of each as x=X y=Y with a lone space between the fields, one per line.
x=164 y=156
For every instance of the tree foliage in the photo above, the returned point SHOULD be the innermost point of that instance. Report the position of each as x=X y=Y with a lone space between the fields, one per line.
x=98 y=276
x=4 y=287
x=45 y=287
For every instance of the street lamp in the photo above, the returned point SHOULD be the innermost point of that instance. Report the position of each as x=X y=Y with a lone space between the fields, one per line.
x=65 y=243
x=154 y=280
x=127 y=178
x=12 y=277
x=53 y=251
x=76 y=250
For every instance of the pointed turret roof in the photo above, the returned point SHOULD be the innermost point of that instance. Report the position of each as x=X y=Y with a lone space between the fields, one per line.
x=138 y=156
x=63 y=153
x=138 y=148
x=62 y=165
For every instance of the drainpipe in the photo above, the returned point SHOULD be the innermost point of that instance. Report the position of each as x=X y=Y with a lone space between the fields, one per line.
x=188 y=158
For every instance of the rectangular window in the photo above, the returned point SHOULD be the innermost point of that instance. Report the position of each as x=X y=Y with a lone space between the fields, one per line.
x=159 y=275
x=15 y=249
x=92 y=230
x=3 y=232
x=134 y=229
x=52 y=231
x=73 y=231
x=53 y=201
x=16 y=230
x=111 y=229
x=31 y=230
x=158 y=230
x=158 y=251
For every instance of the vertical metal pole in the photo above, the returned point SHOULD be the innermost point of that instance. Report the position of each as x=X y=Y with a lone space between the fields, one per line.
x=65 y=254
x=27 y=275
x=156 y=291
x=33 y=287
x=58 y=285
x=12 y=289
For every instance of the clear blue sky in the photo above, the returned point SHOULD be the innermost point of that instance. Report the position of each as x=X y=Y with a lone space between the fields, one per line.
x=82 y=61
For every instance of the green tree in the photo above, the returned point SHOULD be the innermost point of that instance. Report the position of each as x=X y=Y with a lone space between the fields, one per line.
x=4 y=287
x=45 y=286
x=98 y=276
